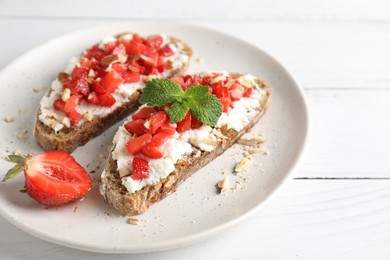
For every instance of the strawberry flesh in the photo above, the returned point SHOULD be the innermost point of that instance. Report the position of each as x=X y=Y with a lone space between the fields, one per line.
x=55 y=178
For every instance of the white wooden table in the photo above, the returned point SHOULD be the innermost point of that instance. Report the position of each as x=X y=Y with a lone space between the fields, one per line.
x=338 y=205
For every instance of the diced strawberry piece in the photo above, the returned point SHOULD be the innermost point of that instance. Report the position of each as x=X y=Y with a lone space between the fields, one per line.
x=166 y=51
x=131 y=77
x=140 y=168
x=98 y=88
x=138 y=39
x=136 y=127
x=79 y=71
x=74 y=116
x=184 y=124
x=195 y=123
x=135 y=67
x=248 y=92
x=119 y=67
x=150 y=71
x=154 y=41
x=80 y=84
x=55 y=178
x=178 y=80
x=72 y=102
x=187 y=82
x=207 y=81
x=149 y=59
x=168 y=128
x=226 y=103
x=160 y=64
x=144 y=113
x=95 y=52
x=151 y=151
x=109 y=47
x=157 y=120
x=88 y=63
x=112 y=81
x=134 y=48
x=159 y=139
x=236 y=92
x=196 y=79
x=59 y=104
x=221 y=92
x=120 y=49
x=135 y=145
x=93 y=98
x=106 y=100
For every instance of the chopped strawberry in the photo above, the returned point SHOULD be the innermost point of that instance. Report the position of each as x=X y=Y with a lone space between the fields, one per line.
x=109 y=47
x=178 y=80
x=195 y=123
x=157 y=120
x=106 y=100
x=74 y=116
x=135 y=145
x=236 y=92
x=112 y=81
x=150 y=71
x=136 y=127
x=221 y=92
x=131 y=77
x=160 y=64
x=95 y=52
x=159 y=139
x=134 y=48
x=72 y=102
x=93 y=98
x=184 y=124
x=168 y=128
x=140 y=169
x=166 y=51
x=154 y=41
x=144 y=113
x=247 y=92
x=79 y=72
x=226 y=103
x=98 y=88
x=151 y=151
x=119 y=67
x=53 y=178
x=138 y=39
x=150 y=59
x=59 y=104
x=120 y=49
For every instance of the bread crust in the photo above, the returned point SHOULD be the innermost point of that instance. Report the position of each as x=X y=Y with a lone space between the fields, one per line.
x=136 y=203
x=68 y=139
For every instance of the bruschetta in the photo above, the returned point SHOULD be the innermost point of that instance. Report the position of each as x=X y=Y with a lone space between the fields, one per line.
x=102 y=86
x=152 y=154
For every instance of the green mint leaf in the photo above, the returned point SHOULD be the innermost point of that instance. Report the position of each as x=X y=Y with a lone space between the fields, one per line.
x=207 y=108
x=12 y=173
x=177 y=112
x=15 y=158
x=159 y=92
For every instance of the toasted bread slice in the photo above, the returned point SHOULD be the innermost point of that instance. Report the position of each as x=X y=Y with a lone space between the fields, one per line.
x=115 y=190
x=53 y=133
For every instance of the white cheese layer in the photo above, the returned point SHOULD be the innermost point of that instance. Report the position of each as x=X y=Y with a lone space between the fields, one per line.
x=177 y=147
x=54 y=119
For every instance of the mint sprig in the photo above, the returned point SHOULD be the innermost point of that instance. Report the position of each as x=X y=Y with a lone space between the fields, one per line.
x=204 y=106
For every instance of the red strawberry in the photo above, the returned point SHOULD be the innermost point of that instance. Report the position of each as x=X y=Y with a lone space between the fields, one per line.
x=140 y=168
x=53 y=178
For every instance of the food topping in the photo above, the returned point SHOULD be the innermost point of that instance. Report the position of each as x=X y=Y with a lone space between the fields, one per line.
x=183 y=107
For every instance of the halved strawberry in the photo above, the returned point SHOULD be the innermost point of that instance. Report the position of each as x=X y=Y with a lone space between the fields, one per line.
x=53 y=178
x=151 y=151
x=135 y=145
x=144 y=113
x=140 y=168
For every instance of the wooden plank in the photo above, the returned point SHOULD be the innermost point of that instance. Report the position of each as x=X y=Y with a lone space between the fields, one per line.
x=319 y=54
x=374 y=10
x=350 y=134
x=307 y=220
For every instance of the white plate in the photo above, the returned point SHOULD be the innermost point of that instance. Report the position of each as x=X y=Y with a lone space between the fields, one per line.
x=195 y=212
